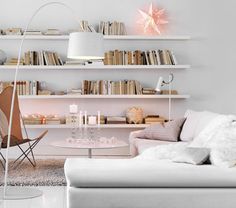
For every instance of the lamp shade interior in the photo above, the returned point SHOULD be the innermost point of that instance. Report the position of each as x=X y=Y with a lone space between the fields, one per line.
x=85 y=46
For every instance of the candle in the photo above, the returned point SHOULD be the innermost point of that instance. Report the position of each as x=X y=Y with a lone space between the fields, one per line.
x=73 y=109
x=99 y=118
x=92 y=120
x=80 y=118
x=85 y=119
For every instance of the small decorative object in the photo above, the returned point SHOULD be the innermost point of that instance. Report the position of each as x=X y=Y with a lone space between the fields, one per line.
x=152 y=20
x=161 y=83
x=134 y=115
x=73 y=109
x=3 y=57
x=74 y=119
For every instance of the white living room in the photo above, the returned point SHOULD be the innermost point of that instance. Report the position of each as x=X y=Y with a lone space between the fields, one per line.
x=117 y=104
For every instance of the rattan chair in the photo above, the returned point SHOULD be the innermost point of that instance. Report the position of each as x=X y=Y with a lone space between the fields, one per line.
x=16 y=139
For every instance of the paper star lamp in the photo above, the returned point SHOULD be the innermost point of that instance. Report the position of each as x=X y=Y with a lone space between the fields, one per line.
x=152 y=20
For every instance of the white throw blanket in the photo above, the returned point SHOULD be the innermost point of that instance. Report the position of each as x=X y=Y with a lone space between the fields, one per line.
x=219 y=136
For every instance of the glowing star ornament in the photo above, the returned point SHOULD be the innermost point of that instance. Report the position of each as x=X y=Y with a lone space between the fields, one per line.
x=152 y=20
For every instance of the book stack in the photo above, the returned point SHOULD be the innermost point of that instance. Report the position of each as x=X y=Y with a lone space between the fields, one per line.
x=22 y=87
x=42 y=58
x=52 y=32
x=36 y=119
x=151 y=57
x=107 y=87
x=86 y=27
x=116 y=120
x=148 y=91
x=112 y=28
x=13 y=61
x=75 y=62
x=33 y=32
x=13 y=31
x=152 y=119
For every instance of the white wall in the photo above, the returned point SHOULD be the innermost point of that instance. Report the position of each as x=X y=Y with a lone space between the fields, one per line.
x=210 y=82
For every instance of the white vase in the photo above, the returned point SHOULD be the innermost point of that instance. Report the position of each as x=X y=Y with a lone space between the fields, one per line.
x=3 y=57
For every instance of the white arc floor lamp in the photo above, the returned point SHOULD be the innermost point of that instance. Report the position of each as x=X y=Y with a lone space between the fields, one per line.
x=82 y=45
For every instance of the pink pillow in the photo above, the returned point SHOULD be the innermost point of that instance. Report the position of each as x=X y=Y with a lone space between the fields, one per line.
x=168 y=131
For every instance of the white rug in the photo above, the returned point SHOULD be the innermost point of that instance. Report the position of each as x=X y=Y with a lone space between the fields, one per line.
x=46 y=173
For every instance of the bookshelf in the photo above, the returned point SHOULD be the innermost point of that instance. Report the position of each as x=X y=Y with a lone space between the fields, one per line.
x=45 y=97
x=98 y=67
x=106 y=37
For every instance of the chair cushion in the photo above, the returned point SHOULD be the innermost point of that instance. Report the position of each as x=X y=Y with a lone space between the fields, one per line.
x=195 y=123
x=168 y=131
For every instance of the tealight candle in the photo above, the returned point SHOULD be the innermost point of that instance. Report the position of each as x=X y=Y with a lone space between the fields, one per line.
x=99 y=118
x=92 y=120
x=73 y=109
x=85 y=119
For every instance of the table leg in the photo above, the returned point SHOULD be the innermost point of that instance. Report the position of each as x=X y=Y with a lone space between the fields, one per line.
x=90 y=153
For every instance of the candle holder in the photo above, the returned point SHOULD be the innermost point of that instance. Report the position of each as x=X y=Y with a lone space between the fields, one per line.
x=74 y=121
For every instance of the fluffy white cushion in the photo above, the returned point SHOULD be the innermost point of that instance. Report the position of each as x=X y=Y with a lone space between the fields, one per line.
x=191 y=155
x=168 y=131
x=161 y=152
x=220 y=137
x=223 y=157
x=195 y=123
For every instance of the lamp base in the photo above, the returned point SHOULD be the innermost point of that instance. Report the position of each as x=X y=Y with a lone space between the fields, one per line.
x=20 y=193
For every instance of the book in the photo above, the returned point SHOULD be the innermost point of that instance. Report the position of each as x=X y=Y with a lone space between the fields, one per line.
x=112 y=28
x=116 y=120
x=138 y=57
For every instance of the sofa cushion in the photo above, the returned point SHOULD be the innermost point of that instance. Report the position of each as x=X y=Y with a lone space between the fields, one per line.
x=168 y=131
x=192 y=155
x=195 y=123
x=137 y=173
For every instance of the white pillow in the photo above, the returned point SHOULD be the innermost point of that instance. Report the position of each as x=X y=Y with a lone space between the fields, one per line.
x=191 y=155
x=223 y=157
x=195 y=123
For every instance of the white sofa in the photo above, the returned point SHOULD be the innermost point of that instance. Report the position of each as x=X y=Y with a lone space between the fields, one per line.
x=135 y=183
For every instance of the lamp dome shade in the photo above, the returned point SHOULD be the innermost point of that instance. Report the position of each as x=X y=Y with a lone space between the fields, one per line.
x=85 y=46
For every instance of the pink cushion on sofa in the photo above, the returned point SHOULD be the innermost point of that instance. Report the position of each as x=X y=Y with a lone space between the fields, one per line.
x=168 y=131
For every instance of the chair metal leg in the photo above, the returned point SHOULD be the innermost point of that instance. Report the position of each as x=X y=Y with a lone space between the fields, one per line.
x=3 y=162
x=26 y=153
x=25 y=156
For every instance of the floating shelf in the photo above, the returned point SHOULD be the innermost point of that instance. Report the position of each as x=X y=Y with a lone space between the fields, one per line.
x=98 y=67
x=24 y=97
x=104 y=126
x=106 y=37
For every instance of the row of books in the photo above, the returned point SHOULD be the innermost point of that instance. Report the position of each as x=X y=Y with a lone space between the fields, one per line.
x=22 y=87
x=112 y=28
x=42 y=58
x=107 y=87
x=19 y=31
x=138 y=57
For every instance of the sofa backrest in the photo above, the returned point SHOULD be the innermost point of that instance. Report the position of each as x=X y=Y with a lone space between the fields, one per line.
x=195 y=123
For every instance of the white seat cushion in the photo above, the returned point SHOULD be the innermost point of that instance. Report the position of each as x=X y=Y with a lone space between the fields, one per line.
x=133 y=173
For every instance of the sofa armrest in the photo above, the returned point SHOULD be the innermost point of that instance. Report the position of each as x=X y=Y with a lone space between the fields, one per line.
x=133 y=148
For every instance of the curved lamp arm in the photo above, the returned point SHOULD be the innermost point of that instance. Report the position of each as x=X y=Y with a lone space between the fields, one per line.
x=15 y=79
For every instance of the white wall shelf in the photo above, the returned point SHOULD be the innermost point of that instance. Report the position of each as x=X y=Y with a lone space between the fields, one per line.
x=103 y=126
x=106 y=37
x=30 y=97
x=98 y=67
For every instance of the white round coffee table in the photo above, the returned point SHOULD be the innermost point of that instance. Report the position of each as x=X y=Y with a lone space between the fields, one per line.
x=89 y=146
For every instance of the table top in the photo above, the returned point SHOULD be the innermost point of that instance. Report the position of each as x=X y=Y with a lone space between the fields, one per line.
x=89 y=145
